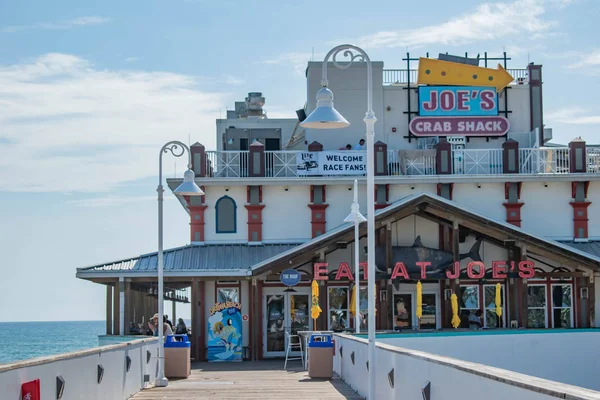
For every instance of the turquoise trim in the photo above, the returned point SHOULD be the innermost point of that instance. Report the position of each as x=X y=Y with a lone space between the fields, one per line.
x=484 y=332
x=234 y=215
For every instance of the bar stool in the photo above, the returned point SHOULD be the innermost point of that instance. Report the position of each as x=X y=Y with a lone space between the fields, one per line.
x=294 y=343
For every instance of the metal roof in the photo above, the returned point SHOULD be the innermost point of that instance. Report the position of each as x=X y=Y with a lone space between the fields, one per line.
x=198 y=258
x=590 y=247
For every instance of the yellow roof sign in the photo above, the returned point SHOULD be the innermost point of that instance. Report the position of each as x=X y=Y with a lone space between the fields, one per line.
x=438 y=72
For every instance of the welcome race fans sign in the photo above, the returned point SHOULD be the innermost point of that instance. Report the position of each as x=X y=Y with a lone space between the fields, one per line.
x=331 y=163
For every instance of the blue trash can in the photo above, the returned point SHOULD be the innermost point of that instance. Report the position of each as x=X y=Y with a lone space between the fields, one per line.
x=320 y=356
x=177 y=356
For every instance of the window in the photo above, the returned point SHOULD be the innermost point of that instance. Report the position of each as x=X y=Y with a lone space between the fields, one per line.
x=491 y=318
x=228 y=294
x=226 y=215
x=536 y=306
x=469 y=303
x=338 y=308
x=562 y=305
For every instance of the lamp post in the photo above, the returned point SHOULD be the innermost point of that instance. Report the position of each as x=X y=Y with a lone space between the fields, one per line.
x=356 y=217
x=187 y=188
x=325 y=116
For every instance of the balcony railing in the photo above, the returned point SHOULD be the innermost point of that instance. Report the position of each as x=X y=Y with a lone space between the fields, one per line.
x=400 y=76
x=284 y=164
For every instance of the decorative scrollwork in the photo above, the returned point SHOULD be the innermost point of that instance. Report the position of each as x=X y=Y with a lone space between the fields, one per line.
x=350 y=55
x=174 y=148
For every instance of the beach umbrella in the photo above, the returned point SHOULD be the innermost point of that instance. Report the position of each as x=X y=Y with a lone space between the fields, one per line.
x=353 y=301
x=455 y=318
x=498 y=300
x=315 y=310
x=419 y=311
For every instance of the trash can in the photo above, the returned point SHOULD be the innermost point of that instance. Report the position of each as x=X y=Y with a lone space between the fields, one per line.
x=320 y=356
x=177 y=356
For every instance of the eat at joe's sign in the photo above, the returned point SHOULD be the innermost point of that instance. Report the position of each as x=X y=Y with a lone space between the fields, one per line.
x=475 y=270
x=458 y=110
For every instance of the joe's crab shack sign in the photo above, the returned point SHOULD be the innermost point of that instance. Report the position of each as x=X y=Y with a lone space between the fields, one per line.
x=475 y=270
x=458 y=110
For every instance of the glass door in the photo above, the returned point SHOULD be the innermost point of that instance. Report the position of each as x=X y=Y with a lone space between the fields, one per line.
x=284 y=312
x=405 y=310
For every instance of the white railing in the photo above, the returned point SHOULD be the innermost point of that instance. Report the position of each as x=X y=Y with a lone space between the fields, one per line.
x=537 y=161
x=404 y=373
x=110 y=372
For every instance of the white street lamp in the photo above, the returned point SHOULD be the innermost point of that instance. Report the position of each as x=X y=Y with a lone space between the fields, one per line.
x=325 y=116
x=187 y=188
x=356 y=217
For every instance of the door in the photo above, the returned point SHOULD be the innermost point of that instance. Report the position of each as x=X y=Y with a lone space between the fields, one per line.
x=271 y=145
x=284 y=312
x=405 y=310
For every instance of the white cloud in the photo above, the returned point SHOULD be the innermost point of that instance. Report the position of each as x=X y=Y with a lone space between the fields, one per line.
x=76 y=22
x=298 y=60
x=232 y=80
x=591 y=59
x=131 y=59
x=488 y=21
x=71 y=127
x=573 y=116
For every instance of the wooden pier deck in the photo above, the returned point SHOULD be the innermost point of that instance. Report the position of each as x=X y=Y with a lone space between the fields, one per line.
x=250 y=380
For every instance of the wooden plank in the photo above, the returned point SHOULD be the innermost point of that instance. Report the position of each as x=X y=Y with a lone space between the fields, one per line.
x=250 y=380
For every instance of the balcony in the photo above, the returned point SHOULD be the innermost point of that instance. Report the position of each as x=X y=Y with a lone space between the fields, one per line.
x=408 y=163
x=400 y=76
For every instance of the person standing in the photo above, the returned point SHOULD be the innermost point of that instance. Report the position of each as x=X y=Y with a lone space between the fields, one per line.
x=153 y=325
x=360 y=145
x=180 y=329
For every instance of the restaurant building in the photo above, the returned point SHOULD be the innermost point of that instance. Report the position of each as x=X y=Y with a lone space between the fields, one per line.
x=469 y=194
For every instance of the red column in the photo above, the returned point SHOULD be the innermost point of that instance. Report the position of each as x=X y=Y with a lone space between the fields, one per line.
x=318 y=221
x=513 y=206
x=580 y=219
x=197 y=223
x=254 y=222
x=513 y=213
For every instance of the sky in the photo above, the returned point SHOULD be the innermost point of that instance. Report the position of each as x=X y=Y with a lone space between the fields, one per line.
x=90 y=91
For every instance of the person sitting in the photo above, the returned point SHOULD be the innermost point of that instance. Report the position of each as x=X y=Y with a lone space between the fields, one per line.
x=153 y=325
x=475 y=320
x=180 y=329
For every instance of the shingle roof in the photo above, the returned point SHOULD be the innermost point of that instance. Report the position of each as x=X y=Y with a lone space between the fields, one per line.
x=208 y=257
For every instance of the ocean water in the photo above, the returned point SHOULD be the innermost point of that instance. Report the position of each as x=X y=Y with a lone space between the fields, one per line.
x=24 y=340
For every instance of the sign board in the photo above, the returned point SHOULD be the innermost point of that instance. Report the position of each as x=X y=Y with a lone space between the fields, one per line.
x=225 y=332
x=290 y=277
x=447 y=101
x=331 y=163
x=464 y=126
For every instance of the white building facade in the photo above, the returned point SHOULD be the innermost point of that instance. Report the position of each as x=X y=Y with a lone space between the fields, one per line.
x=509 y=209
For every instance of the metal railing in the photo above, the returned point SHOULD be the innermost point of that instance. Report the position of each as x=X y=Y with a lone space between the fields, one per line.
x=283 y=164
x=400 y=76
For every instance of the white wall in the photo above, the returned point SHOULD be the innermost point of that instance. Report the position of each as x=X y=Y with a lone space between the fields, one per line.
x=79 y=371
x=547 y=211
x=567 y=357
x=286 y=215
x=450 y=379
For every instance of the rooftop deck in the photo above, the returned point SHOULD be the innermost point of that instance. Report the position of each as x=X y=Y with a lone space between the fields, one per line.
x=418 y=163
x=250 y=380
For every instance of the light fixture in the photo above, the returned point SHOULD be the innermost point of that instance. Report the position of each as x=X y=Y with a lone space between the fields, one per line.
x=188 y=187
x=325 y=116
